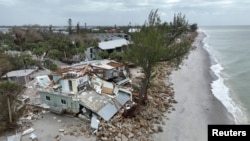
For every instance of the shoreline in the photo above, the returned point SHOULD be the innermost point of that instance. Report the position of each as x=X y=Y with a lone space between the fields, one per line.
x=197 y=106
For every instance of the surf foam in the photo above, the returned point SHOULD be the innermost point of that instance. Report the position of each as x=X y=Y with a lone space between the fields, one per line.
x=220 y=90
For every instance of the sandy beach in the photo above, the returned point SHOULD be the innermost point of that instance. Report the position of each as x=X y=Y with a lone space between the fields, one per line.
x=197 y=107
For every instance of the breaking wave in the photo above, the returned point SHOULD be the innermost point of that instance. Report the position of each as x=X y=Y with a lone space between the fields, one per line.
x=220 y=90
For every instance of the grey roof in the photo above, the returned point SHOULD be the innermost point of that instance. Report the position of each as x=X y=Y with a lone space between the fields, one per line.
x=101 y=104
x=109 y=110
x=112 y=44
x=108 y=36
x=92 y=100
x=19 y=73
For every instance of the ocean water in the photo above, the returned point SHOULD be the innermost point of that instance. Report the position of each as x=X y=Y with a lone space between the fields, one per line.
x=229 y=49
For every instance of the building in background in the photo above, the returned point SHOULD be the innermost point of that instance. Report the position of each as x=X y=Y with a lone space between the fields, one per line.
x=20 y=76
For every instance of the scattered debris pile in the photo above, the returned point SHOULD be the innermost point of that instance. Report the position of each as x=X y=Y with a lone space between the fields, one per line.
x=78 y=130
x=150 y=119
x=30 y=114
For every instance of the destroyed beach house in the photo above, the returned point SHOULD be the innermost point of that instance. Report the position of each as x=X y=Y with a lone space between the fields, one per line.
x=90 y=89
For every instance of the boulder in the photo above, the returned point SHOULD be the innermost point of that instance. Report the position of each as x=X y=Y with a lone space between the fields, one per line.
x=130 y=135
x=104 y=138
x=124 y=138
x=117 y=138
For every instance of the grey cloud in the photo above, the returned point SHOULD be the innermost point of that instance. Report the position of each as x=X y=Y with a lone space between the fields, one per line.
x=103 y=12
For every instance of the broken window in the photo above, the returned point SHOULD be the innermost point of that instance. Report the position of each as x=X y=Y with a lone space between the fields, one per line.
x=47 y=97
x=81 y=87
x=63 y=101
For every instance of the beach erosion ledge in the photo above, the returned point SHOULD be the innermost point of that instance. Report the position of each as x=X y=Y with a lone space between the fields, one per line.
x=197 y=107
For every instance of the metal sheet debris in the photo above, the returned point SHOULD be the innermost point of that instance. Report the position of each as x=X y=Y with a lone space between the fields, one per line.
x=33 y=136
x=109 y=110
x=28 y=131
x=94 y=122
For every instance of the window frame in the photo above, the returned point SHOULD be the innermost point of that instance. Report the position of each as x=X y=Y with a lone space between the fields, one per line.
x=47 y=98
x=63 y=101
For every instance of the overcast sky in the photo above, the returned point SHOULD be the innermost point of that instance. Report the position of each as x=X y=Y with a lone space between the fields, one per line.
x=121 y=12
